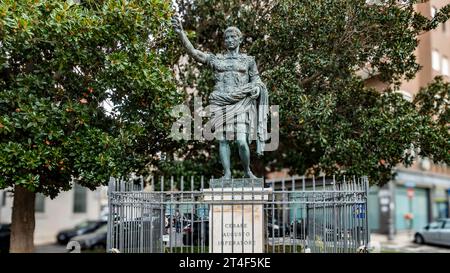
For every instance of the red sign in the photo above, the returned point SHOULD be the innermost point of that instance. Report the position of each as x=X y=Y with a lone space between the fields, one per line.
x=410 y=192
x=408 y=216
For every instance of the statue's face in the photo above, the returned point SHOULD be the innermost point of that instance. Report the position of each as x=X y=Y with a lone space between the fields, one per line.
x=232 y=40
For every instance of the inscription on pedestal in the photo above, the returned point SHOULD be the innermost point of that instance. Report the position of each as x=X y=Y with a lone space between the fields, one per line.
x=239 y=231
x=236 y=217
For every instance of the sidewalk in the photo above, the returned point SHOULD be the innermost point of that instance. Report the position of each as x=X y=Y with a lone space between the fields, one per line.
x=50 y=248
x=399 y=243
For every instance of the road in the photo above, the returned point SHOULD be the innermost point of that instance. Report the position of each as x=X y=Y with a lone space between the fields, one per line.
x=414 y=248
x=403 y=243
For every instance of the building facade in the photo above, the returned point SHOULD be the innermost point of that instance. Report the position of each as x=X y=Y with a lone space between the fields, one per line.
x=65 y=211
x=419 y=194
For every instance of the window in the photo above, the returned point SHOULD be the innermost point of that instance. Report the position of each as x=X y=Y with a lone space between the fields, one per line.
x=405 y=94
x=436 y=225
x=447 y=224
x=435 y=60
x=79 y=199
x=3 y=199
x=433 y=11
x=440 y=206
x=40 y=202
x=445 y=67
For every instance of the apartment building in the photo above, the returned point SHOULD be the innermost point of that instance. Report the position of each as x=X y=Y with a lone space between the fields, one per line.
x=419 y=194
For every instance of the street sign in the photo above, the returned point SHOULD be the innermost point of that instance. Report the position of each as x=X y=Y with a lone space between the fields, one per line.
x=359 y=211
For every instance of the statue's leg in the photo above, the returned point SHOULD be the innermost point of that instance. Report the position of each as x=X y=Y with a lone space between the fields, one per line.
x=244 y=154
x=224 y=153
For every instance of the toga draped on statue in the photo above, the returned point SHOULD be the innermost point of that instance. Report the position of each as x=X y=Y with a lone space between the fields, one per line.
x=239 y=102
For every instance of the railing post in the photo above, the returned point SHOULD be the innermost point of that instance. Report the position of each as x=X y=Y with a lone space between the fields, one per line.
x=367 y=231
x=110 y=217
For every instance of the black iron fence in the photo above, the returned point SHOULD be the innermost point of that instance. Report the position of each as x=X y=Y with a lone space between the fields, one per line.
x=238 y=216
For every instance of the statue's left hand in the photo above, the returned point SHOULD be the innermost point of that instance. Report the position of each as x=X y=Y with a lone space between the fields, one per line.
x=254 y=92
x=251 y=90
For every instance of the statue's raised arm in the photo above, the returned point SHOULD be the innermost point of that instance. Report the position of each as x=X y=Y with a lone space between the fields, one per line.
x=194 y=53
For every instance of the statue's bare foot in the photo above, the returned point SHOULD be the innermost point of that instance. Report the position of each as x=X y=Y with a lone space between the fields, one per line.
x=227 y=175
x=249 y=174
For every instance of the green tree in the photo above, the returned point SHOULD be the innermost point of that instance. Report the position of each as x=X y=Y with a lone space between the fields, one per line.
x=60 y=62
x=309 y=53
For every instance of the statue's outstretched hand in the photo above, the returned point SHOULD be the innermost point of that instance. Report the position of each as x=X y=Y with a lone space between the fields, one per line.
x=176 y=23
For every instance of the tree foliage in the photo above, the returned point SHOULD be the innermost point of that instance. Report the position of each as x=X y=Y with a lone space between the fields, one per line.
x=60 y=62
x=310 y=55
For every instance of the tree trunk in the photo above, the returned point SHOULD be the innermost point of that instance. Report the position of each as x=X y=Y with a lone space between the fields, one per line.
x=22 y=225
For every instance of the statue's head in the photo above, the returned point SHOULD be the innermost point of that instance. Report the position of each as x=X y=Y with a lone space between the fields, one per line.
x=233 y=37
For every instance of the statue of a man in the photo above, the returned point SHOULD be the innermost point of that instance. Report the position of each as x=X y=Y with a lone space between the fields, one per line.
x=239 y=101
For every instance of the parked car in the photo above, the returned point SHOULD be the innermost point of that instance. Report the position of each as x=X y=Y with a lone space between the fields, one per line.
x=276 y=227
x=5 y=235
x=299 y=229
x=64 y=236
x=134 y=234
x=193 y=233
x=177 y=222
x=93 y=240
x=434 y=233
x=136 y=225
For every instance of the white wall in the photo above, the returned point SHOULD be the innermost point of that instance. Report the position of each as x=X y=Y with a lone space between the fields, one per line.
x=5 y=211
x=58 y=213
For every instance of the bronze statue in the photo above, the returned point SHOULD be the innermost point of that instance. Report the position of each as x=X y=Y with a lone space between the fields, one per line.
x=239 y=101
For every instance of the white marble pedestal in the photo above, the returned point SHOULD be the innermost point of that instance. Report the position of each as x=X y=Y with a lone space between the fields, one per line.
x=236 y=217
